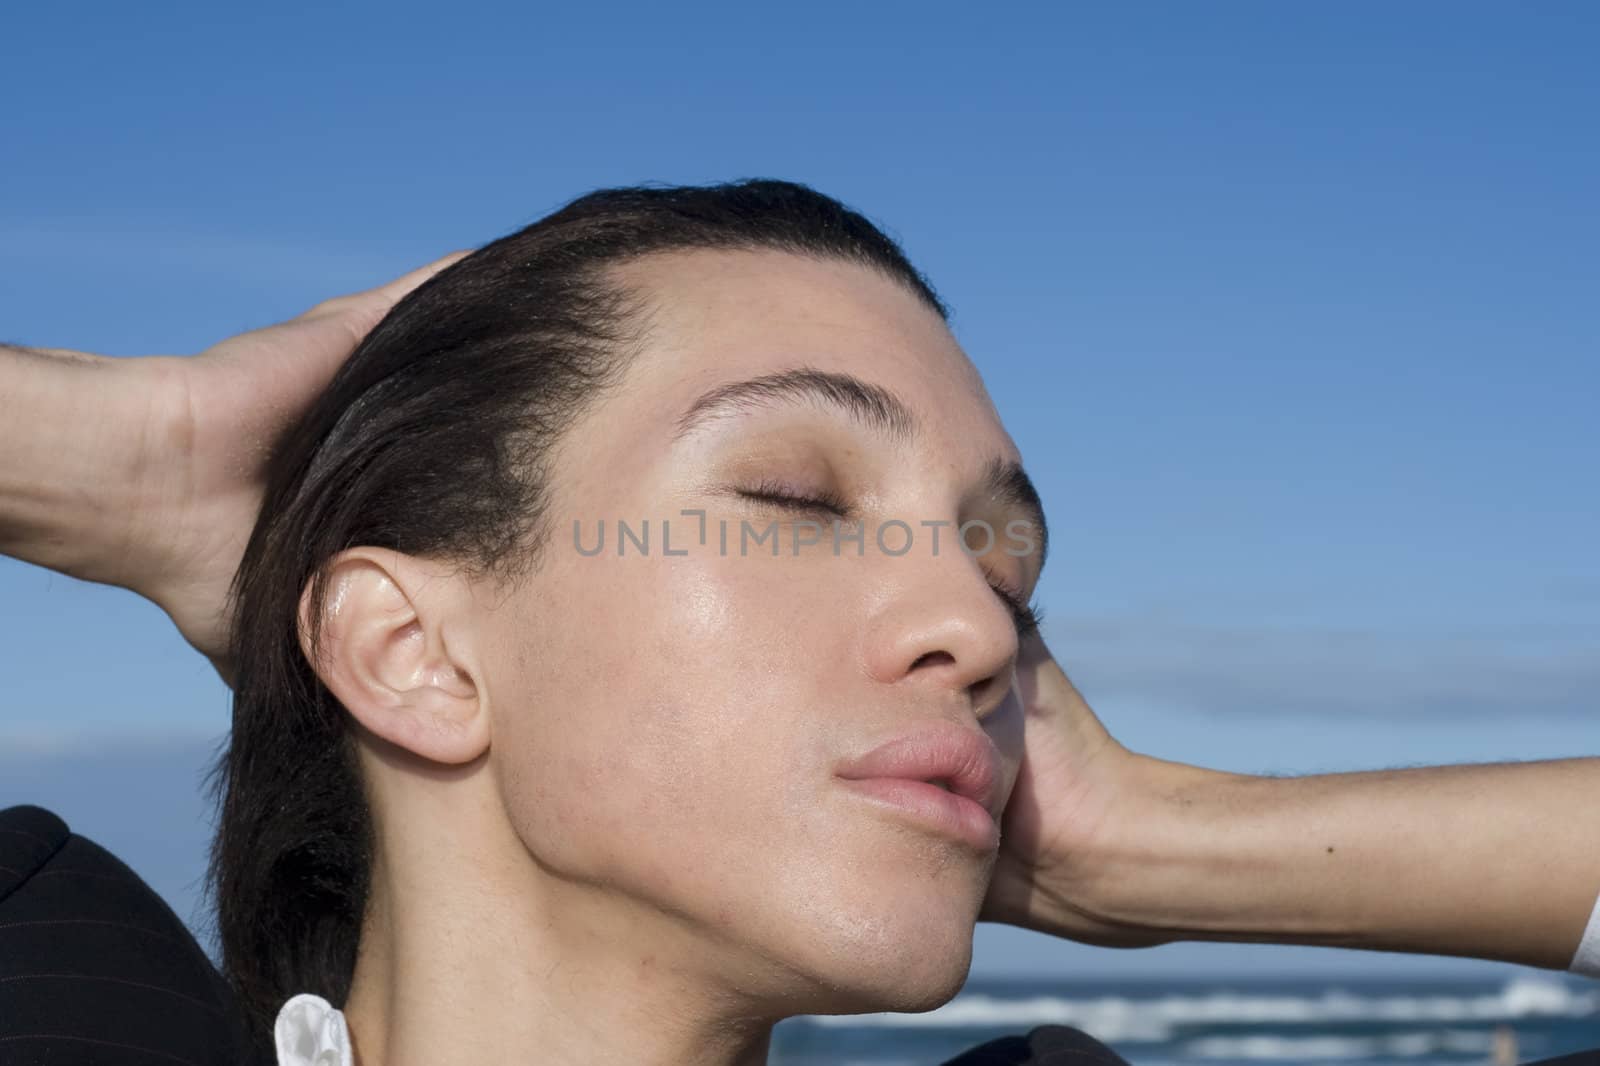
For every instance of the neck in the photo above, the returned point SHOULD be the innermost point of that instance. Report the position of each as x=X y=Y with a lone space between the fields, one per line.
x=521 y=966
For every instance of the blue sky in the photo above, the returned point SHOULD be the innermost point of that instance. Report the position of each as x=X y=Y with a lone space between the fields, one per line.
x=1292 y=309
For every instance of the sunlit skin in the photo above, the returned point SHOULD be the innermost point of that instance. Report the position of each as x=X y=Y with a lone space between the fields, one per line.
x=500 y=931
x=608 y=824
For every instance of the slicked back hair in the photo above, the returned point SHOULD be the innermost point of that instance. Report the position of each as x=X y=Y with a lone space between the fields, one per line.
x=434 y=439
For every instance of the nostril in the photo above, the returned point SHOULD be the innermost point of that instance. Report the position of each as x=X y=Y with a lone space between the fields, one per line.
x=990 y=693
x=939 y=657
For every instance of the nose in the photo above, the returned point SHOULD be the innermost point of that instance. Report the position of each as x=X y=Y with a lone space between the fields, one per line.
x=939 y=624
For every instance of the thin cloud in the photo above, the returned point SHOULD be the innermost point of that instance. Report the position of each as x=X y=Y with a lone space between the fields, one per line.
x=1542 y=669
x=29 y=743
x=1575 y=589
x=251 y=258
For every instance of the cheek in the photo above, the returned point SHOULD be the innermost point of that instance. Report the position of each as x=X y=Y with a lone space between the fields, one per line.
x=651 y=713
x=668 y=728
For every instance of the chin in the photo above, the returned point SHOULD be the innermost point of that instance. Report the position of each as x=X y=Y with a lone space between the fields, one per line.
x=916 y=972
x=930 y=989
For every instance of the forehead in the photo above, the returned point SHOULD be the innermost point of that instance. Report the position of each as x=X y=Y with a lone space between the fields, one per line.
x=713 y=317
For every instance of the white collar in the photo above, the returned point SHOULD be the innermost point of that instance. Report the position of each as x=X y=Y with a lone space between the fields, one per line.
x=310 y=1031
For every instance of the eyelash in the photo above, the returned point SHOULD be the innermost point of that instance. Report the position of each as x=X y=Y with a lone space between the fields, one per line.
x=778 y=495
x=1027 y=617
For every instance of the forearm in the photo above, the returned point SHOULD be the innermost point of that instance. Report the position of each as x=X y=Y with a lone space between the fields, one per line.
x=74 y=433
x=1494 y=861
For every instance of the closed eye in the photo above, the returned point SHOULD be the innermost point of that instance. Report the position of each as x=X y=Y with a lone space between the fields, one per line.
x=1027 y=617
x=776 y=495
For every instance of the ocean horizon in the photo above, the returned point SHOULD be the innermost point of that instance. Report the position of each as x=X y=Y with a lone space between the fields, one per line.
x=1257 y=1020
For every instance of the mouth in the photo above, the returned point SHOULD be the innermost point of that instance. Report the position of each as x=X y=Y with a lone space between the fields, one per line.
x=940 y=776
x=931 y=806
x=942 y=756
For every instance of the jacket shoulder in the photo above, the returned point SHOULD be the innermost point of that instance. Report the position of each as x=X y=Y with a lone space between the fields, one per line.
x=1045 y=1045
x=29 y=838
x=94 y=965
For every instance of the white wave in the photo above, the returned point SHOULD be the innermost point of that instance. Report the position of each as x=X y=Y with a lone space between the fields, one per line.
x=1406 y=1045
x=1108 y=1018
x=1156 y=1019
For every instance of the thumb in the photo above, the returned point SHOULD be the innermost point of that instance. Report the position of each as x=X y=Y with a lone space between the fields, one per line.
x=284 y=365
x=367 y=307
x=317 y=341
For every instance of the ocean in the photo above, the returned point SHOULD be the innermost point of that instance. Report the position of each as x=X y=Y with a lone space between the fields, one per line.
x=1256 y=1021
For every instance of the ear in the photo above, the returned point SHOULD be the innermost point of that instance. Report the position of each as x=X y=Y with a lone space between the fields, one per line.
x=396 y=651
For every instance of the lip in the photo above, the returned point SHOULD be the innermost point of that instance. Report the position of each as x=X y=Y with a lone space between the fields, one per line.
x=901 y=772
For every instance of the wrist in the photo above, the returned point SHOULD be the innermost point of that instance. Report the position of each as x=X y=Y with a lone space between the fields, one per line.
x=1455 y=860
x=81 y=449
x=1170 y=862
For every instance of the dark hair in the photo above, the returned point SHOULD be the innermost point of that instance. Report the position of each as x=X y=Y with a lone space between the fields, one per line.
x=434 y=440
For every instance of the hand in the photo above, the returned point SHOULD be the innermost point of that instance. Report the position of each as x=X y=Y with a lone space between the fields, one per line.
x=205 y=468
x=1073 y=782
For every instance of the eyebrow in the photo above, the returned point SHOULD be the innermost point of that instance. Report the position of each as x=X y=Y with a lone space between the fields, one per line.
x=1007 y=482
x=872 y=406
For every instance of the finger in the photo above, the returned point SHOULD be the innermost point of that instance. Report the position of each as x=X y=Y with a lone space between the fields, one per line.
x=1032 y=650
x=375 y=303
x=392 y=291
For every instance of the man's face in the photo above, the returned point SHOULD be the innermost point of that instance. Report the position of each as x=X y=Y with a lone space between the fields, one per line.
x=669 y=723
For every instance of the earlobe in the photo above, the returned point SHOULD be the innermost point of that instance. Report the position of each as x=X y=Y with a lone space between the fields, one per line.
x=394 y=651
